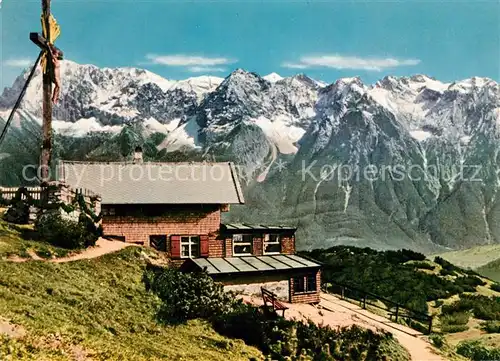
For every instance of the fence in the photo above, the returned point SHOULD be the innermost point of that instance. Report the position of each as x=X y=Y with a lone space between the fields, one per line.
x=392 y=310
x=65 y=193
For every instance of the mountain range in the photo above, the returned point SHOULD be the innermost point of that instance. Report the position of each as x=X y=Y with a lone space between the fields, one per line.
x=406 y=162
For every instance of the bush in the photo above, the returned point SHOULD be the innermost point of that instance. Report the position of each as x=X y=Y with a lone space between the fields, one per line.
x=454 y=328
x=458 y=318
x=195 y=295
x=476 y=352
x=387 y=274
x=437 y=340
x=188 y=296
x=484 y=308
x=66 y=233
x=445 y=272
x=495 y=287
x=290 y=340
x=423 y=265
x=438 y=303
x=491 y=327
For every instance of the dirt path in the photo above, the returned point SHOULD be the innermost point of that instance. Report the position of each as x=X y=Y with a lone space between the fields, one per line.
x=102 y=247
x=335 y=312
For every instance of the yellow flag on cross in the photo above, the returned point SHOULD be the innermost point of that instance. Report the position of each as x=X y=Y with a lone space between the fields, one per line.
x=54 y=32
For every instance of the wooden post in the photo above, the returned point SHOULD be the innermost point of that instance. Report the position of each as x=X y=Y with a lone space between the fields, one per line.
x=430 y=325
x=47 y=107
x=397 y=312
x=364 y=302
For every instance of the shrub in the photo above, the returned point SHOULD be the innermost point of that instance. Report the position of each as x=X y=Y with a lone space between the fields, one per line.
x=476 y=352
x=437 y=340
x=491 y=327
x=188 y=296
x=438 y=303
x=195 y=295
x=454 y=328
x=495 y=287
x=458 y=318
x=484 y=308
x=386 y=273
x=423 y=265
x=445 y=272
x=66 y=233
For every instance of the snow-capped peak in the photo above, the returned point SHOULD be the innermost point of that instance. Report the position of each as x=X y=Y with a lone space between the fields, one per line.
x=273 y=77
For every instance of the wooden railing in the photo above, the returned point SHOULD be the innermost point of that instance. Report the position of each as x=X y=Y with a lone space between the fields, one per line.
x=10 y=192
x=390 y=309
x=67 y=194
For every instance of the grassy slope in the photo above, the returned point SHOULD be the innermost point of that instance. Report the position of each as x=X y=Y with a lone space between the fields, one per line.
x=12 y=244
x=491 y=269
x=98 y=308
x=473 y=257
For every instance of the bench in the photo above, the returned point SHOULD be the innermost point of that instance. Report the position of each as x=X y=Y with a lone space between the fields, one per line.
x=271 y=298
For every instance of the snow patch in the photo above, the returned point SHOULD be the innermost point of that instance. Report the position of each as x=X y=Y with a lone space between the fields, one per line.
x=185 y=135
x=83 y=127
x=420 y=135
x=281 y=133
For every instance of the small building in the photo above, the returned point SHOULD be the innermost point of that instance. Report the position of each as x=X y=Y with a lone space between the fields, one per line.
x=176 y=208
x=256 y=256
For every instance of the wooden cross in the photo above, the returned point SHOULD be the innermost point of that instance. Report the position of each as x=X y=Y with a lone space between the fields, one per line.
x=44 y=42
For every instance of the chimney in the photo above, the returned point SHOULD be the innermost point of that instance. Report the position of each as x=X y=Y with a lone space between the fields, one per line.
x=138 y=155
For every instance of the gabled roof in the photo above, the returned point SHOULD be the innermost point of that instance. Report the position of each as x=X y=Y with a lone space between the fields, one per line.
x=156 y=183
x=250 y=264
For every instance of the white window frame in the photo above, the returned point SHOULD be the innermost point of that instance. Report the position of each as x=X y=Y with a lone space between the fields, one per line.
x=242 y=244
x=268 y=242
x=190 y=243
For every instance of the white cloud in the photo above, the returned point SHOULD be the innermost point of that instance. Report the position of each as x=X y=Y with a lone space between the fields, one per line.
x=193 y=61
x=336 y=61
x=205 y=69
x=18 y=63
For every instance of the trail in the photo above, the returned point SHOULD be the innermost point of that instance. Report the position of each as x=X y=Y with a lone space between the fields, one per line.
x=338 y=313
x=102 y=247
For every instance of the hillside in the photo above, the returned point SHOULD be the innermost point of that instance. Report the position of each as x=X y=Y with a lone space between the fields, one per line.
x=402 y=163
x=465 y=305
x=472 y=258
x=95 y=310
x=491 y=270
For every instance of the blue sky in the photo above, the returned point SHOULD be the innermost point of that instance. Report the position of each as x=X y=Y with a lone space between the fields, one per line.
x=448 y=40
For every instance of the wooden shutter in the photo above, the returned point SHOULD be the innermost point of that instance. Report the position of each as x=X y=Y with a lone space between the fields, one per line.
x=204 y=246
x=175 y=246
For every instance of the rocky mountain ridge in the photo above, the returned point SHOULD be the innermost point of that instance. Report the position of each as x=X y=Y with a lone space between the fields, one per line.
x=406 y=162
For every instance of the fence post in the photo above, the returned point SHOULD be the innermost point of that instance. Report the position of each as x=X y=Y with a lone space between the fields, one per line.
x=364 y=301
x=397 y=312
x=342 y=292
x=430 y=325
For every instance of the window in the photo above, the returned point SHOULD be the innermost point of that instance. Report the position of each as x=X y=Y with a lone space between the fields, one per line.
x=158 y=242
x=303 y=284
x=190 y=246
x=242 y=244
x=272 y=244
x=311 y=283
x=108 y=211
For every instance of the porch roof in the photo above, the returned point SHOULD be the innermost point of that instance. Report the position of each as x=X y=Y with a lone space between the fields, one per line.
x=249 y=264
x=247 y=227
